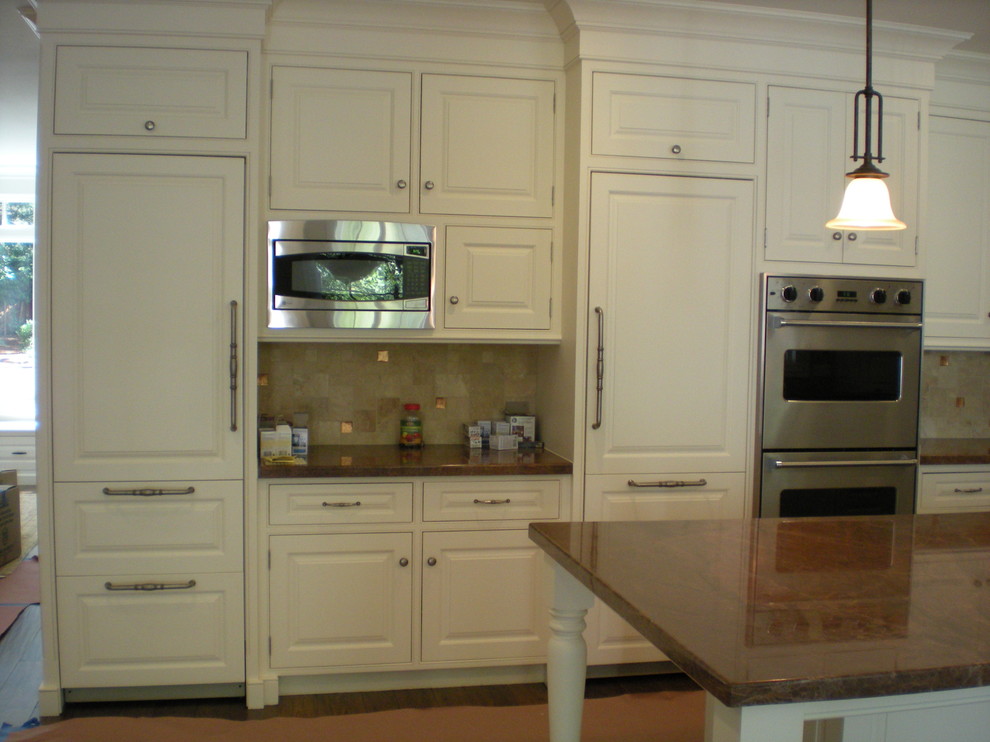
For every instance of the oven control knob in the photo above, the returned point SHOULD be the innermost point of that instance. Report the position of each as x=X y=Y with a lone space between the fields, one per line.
x=788 y=293
x=816 y=293
x=878 y=296
x=903 y=297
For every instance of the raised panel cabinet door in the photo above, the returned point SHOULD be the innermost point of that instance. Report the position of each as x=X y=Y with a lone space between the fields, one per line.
x=340 y=140
x=498 y=278
x=483 y=597
x=340 y=599
x=151 y=92
x=671 y=307
x=487 y=146
x=115 y=630
x=673 y=118
x=957 y=289
x=147 y=281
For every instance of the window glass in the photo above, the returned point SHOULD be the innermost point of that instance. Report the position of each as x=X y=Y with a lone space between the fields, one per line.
x=17 y=397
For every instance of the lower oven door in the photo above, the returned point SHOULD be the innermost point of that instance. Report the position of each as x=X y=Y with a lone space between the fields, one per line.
x=819 y=483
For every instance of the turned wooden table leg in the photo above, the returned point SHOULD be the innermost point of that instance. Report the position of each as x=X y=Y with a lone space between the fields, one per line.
x=567 y=656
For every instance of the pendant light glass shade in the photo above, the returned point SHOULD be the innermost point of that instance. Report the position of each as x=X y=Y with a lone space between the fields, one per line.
x=866 y=205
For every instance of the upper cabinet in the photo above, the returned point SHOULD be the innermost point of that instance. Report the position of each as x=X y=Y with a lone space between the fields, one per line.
x=673 y=118
x=343 y=140
x=135 y=91
x=809 y=142
x=957 y=301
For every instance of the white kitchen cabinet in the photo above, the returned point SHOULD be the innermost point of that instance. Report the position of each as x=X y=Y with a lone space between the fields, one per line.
x=18 y=452
x=660 y=496
x=809 y=143
x=957 y=289
x=671 y=300
x=673 y=118
x=340 y=139
x=340 y=503
x=483 y=596
x=487 y=146
x=150 y=629
x=498 y=278
x=344 y=140
x=954 y=491
x=147 y=270
x=341 y=599
x=150 y=92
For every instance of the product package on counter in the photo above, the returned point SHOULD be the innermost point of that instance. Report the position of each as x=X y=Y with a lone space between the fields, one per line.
x=503 y=442
x=523 y=426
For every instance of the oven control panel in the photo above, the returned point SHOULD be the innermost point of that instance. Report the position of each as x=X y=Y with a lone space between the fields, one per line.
x=842 y=294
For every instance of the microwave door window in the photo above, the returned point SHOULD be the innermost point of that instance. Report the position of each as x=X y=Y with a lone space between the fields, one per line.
x=343 y=277
x=842 y=376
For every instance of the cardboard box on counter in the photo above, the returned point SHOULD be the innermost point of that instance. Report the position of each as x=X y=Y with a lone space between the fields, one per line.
x=523 y=426
x=10 y=517
x=503 y=442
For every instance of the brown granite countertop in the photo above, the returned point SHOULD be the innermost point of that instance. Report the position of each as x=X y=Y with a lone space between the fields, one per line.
x=954 y=451
x=429 y=461
x=775 y=610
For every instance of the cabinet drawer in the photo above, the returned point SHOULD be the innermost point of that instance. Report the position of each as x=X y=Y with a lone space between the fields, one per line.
x=612 y=497
x=100 y=529
x=492 y=500
x=304 y=504
x=190 y=633
x=954 y=492
x=18 y=452
x=150 y=92
x=674 y=118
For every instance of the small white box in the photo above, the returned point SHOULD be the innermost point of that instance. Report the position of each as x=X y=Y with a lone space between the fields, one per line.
x=501 y=428
x=471 y=430
x=266 y=442
x=283 y=439
x=486 y=428
x=300 y=442
x=474 y=441
x=503 y=442
x=523 y=426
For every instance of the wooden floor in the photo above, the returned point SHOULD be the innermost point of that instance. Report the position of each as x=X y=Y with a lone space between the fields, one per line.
x=20 y=677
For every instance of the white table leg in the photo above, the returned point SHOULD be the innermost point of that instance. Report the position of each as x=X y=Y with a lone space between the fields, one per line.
x=567 y=656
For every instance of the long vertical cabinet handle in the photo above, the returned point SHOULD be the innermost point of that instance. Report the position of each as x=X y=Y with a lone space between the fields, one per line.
x=599 y=369
x=233 y=365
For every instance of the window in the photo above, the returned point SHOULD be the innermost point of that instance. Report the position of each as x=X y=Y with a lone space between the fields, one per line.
x=17 y=399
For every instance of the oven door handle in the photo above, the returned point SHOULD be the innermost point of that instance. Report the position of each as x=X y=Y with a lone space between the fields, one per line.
x=778 y=464
x=779 y=322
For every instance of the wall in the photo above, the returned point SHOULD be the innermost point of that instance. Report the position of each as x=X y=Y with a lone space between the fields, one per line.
x=955 y=395
x=347 y=383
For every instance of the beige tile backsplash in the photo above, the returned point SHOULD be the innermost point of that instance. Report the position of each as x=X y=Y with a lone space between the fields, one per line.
x=955 y=395
x=347 y=383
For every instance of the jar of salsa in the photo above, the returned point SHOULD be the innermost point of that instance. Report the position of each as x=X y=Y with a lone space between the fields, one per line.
x=411 y=428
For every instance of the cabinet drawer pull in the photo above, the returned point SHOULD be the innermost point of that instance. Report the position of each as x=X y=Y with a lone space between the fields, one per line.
x=233 y=366
x=355 y=504
x=967 y=490
x=599 y=369
x=431 y=562
x=147 y=492
x=18 y=453
x=149 y=125
x=151 y=586
x=506 y=501
x=669 y=483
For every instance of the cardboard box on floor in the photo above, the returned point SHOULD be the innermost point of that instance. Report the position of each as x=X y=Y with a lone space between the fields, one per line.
x=10 y=517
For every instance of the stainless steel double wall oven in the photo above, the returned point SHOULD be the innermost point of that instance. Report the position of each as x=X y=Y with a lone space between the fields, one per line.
x=841 y=370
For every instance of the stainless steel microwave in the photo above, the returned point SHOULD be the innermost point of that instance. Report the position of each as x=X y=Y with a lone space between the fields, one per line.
x=350 y=274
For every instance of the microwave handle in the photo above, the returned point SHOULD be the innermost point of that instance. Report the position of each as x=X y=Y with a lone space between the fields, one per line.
x=778 y=464
x=233 y=366
x=779 y=322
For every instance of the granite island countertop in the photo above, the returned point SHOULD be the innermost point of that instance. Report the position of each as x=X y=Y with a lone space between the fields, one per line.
x=766 y=610
x=429 y=461
x=954 y=451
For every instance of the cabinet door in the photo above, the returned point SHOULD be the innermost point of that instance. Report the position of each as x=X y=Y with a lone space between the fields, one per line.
x=487 y=146
x=340 y=140
x=116 y=631
x=808 y=149
x=498 y=278
x=147 y=259
x=671 y=272
x=340 y=599
x=483 y=597
x=150 y=92
x=957 y=289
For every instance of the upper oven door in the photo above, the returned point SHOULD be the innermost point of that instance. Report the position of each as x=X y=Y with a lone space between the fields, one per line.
x=840 y=381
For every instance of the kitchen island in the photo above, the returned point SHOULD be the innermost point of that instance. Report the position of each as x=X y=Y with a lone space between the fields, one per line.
x=882 y=621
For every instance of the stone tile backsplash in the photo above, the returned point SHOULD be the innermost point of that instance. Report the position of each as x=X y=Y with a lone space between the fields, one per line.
x=347 y=386
x=955 y=395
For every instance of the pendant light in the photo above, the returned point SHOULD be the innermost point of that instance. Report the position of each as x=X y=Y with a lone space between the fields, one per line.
x=866 y=203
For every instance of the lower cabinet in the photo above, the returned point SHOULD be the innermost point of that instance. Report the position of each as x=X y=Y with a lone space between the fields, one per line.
x=680 y=496
x=962 y=490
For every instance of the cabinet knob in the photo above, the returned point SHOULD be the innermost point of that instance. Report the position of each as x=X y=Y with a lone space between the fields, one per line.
x=851 y=237
x=149 y=125
x=429 y=185
x=403 y=562
x=676 y=149
x=401 y=184
x=454 y=300
x=836 y=236
x=432 y=561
